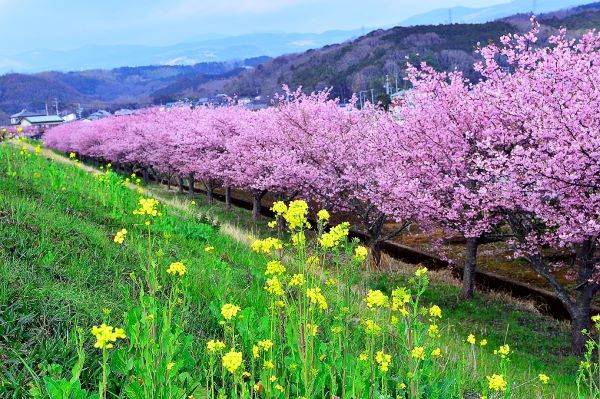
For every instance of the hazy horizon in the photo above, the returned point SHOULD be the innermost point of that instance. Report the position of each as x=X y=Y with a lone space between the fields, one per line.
x=29 y=25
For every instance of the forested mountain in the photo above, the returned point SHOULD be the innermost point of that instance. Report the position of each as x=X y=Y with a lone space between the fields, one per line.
x=363 y=64
x=110 y=88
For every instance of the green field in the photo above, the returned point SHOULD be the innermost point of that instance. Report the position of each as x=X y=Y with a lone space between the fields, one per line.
x=62 y=273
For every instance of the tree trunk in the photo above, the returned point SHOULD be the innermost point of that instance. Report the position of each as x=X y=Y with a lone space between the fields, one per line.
x=169 y=183
x=145 y=175
x=256 y=204
x=580 y=320
x=256 y=207
x=470 y=267
x=585 y=291
x=374 y=232
x=376 y=253
x=209 y=190
x=191 y=183
x=228 y=197
x=180 y=184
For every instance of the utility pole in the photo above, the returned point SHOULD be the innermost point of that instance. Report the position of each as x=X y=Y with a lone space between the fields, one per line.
x=387 y=84
x=55 y=102
x=46 y=104
x=372 y=97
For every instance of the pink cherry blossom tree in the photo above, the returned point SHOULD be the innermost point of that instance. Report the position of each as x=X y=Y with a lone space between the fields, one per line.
x=547 y=163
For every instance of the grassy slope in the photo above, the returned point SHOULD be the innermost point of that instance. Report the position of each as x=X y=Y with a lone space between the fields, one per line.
x=540 y=342
x=59 y=268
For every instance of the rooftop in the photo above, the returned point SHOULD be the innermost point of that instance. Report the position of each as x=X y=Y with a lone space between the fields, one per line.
x=44 y=119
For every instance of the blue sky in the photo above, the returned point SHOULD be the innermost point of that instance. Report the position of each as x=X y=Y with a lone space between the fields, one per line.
x=65 y=24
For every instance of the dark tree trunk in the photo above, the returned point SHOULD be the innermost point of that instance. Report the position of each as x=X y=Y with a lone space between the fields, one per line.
x=374 y=231
x=209 y=190
x=470 y=268
x=145 y=175
x=191 y=183
x=585 y=291
x=169 y=183
x=228 y=197
x=580 y=320
x=579 y=304
x=256 y=198
x=180 y=184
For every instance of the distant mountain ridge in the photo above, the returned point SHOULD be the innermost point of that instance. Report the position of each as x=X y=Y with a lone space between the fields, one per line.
x=207 y=49
x=490 y=13
x=125 y=86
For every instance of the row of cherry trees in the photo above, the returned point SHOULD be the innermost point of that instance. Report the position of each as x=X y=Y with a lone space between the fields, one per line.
x=515 y=155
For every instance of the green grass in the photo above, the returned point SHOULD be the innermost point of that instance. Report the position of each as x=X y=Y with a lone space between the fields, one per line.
x=59 y=269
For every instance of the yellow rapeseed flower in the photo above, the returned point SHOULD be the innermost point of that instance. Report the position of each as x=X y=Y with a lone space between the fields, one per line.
x=435 y=311
x=323 y=215
x=400 y=297
x=274 y=267
x=334 y=236
x=483 y=342
x=120 y=236
x=543 y=378
x=232 y=360
x=437 y=352
x=317 y=298
x=279 y=208
x=274 y=287
x=147 y=207
x=266 y=246
x=213 y=346
x=422 y=271
x=106 y=336
x=229 y=311
x=497 y=382
x=360 y=253
x=471 y=339
x=433 y=331
x=265 y=344
x=418 y=353
x=312 y=329
x=269 y=365
x=383 y=360
x=297 y=280
x=502 y=351
x=272 y=224
x=296 y=214
x=376 y=299
x=177 y=268
x=209 y=248
x=371 y=327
